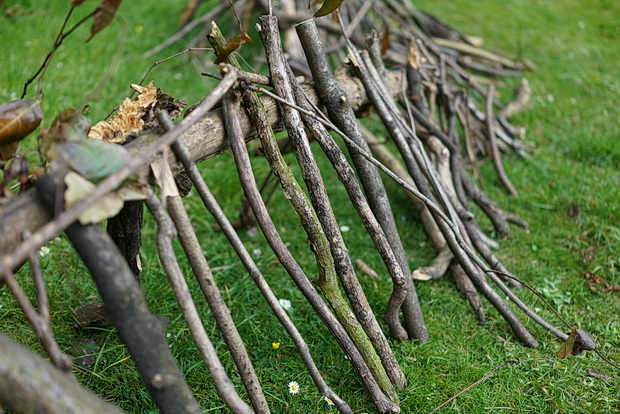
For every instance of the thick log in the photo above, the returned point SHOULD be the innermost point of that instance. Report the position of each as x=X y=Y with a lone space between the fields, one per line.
x=29 y=384
x=204 y=139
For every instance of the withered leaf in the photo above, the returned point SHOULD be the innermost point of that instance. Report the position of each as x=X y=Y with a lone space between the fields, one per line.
x=567 y=346
x=578 y=340
x=103 y=16
x=79 y=188
x=76 y=3
x=18 y=118
x=233 y=44
x=328 y=7
x=596 y=374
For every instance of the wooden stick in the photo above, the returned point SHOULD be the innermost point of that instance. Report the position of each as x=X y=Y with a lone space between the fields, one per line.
x=209 y=201
x=165 y=233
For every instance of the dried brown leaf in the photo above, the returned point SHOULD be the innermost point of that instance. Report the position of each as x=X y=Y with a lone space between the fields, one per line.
x=233 y=44
x=567 y=347
x=596 y=374
x=328 y=7
x=103 y=16
x=578 y=340
x=76 y=3
x=18 y=118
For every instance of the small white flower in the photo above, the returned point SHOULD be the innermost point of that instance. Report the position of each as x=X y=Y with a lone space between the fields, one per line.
x=293 y=387
x=285 y=303
x=328 y=400
x=256 y=252
x=44 y=251
x=344 y=229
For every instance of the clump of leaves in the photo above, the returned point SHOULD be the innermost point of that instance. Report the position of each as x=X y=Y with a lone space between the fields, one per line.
x=90 y=161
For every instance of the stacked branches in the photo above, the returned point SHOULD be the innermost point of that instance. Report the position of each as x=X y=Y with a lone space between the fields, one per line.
x=424 y=106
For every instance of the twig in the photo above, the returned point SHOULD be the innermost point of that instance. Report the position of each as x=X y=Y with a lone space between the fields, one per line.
x=40 y=325
x=62 y=35
x=281 y=76
x=159 y=62
x=497 y=161
x=39 y=284
x=487 y=375
x=437 y=268
x=211 y=292
x=143 y=333
x=340 y=111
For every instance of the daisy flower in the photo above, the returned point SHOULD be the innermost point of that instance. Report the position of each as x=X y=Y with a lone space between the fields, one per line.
x=44 y=251
x=285 y=303
x=344 y=229
x=293 y=387
x=328 y=400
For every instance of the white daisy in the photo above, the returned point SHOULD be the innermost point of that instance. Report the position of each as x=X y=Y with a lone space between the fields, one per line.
x=44 y=251
x=293 y=387
x=285 y=303
x=344 y=229
x=328 y=400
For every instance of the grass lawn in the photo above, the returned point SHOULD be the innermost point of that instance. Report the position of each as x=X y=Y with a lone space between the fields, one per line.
x=573 y=124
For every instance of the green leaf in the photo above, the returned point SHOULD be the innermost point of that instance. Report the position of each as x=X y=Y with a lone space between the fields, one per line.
x=328 y=7
x=66 y=142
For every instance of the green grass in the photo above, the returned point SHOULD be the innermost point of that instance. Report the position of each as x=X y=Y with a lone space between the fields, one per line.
x=572 y=122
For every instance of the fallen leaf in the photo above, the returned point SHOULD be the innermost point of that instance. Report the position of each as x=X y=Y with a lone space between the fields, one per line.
x=103 y=16
x=328 y=7
x=76 y=3
x=567 y=346
x=594 y=373
x=573 y=210
x=578 y=340
x=595 y=281
x=110 y=205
